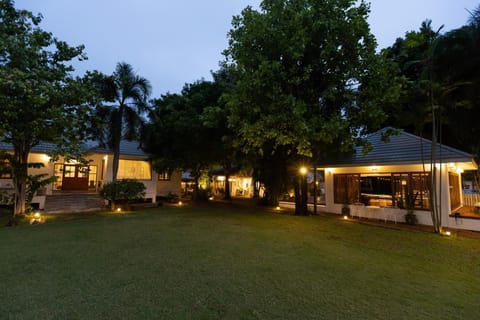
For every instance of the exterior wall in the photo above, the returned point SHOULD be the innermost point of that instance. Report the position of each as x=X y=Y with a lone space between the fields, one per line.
x=48 y=169
x=240 y=186
x=104 y=174
x=150 y=185
x=174 y=185
x=463 y=223
x=392 y=213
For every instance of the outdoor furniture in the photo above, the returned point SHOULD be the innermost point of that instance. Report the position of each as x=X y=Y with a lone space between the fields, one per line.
x=477 y=207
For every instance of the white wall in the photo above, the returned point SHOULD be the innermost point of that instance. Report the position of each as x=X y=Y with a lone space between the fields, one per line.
x=174 y=185
x=423 y=217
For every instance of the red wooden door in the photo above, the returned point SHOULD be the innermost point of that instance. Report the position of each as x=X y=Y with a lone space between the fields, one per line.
x=75 y=177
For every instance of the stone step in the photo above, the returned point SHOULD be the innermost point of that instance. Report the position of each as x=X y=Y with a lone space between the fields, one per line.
x=63 y=203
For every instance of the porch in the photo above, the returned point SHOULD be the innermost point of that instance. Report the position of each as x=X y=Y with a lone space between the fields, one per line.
x=470 y=212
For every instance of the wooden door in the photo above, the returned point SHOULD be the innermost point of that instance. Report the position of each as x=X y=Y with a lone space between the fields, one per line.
x=75 y=177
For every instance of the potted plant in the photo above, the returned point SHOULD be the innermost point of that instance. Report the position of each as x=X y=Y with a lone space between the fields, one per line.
x=410 y=217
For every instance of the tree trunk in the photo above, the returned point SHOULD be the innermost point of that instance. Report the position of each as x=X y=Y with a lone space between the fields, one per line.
x=301 y=196
x=116 y=140
x=298 y=198
x=115 y=161
x=304 y=191
x=20 y=174
x=226 y=170
x=315 y=191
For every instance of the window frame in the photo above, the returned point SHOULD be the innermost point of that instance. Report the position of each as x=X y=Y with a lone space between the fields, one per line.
x=121 y=171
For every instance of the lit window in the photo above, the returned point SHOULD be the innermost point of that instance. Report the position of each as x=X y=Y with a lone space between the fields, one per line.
x=5 y=170
x=134 y=169
x=164 y=176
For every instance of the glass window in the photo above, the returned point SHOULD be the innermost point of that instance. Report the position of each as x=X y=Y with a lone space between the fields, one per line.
x=383 y=189
x=58 y=172
x=346 y=188
x=417 y=184
x=134 y=169
x=5 y=170
x=164 y=176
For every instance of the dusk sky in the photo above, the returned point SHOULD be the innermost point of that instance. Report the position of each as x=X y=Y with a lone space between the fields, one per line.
x=180 y=41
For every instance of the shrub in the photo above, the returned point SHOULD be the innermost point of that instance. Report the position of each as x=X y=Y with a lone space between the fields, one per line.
x=122 y=191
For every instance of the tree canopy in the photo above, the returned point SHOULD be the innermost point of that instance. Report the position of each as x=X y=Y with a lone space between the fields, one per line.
x=309 y=82
x=40 y=99
x=443 y=69
x=125 y=96
x=180 y=134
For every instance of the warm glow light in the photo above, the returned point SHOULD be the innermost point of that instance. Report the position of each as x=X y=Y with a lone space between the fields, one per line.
x=105 y=158
x=345 y=217
x=451 y=165
x=404 y=182
x=180 y=203
x=459 y=170
x=303 y=170
x=374 y=168
x=221 y=178
x=277 y=208
x=448 y=233
x=119 y=209
x=329 y=170
x=45 y=157
x=37 y=215
x=211 y=198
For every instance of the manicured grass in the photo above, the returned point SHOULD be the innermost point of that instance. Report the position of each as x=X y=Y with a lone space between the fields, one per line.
x=227 y=263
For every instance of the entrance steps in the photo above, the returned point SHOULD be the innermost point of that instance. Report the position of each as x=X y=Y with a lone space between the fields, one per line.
x=70 y=202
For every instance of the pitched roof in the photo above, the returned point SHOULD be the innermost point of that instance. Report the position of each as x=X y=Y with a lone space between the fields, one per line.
x=130 y=148
x=401 y=148
x=42 y=147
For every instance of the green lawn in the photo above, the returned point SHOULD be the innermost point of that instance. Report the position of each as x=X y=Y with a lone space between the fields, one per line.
x=226 y=263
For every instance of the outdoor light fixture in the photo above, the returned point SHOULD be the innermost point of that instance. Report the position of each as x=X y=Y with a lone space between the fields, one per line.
x=303 y=170
x=211 y=198
x=180 y=203
x=119 y=209
x=448 y=233
x=37 y=218
x=277 y=208
x=345 y=217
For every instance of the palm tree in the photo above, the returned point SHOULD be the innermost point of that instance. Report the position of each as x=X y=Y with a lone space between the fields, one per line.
x=126 y=94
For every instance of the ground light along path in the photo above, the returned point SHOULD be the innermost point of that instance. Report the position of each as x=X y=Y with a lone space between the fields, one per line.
x=217 y=262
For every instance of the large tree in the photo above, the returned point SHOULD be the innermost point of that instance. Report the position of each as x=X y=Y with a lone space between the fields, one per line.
x=440 y=91
x=309 y=81
x=126 y=104
x=180 y=136
x=39 y=98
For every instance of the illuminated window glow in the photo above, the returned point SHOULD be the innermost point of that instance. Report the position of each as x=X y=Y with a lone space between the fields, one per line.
x=134 y=169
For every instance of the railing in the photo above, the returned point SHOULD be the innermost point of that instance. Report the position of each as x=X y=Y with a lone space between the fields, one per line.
x=470 y=199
